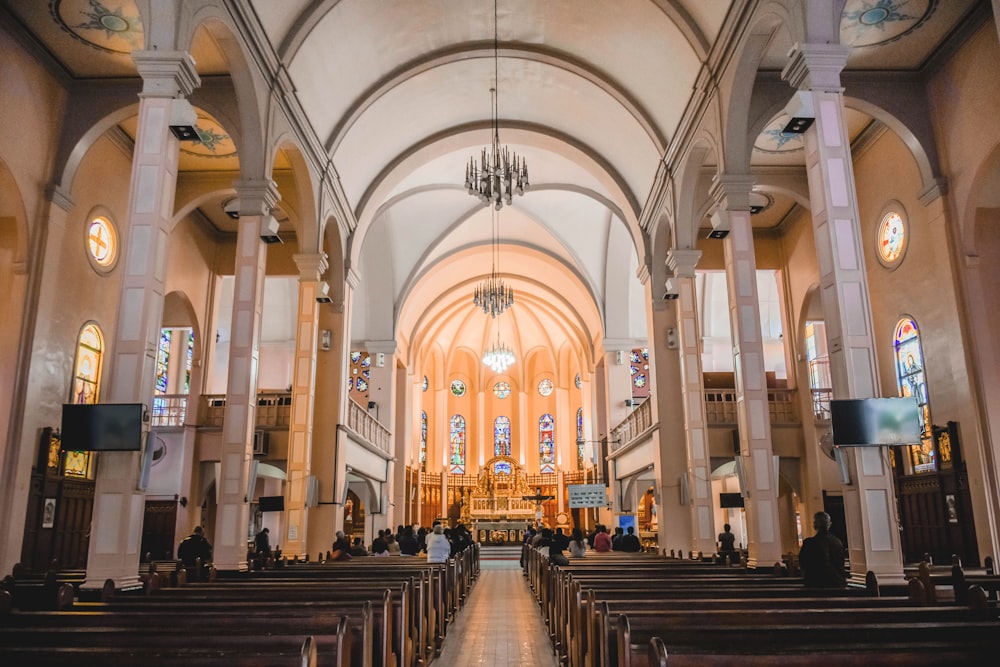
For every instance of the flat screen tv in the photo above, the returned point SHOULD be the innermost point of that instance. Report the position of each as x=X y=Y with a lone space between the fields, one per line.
x=875 y=421
x=102 y=427
x=271 y=503
x=730 y=500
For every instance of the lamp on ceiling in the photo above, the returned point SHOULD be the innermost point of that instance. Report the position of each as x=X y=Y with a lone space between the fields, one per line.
x=500 y=173
x=498 y=356
x=493 y=295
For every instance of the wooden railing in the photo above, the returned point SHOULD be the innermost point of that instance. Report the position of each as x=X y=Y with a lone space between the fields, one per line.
x=638 y=421
x=369 y=428
x=274 y=409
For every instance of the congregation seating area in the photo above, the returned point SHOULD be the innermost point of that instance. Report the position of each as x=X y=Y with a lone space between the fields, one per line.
x=633 y=610
x=368 y=612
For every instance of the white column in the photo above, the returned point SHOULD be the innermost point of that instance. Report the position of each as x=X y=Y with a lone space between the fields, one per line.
x=119 y=503
x=685 y=336
x=756 y=453
x=257 y=200
x=485 y=431
x=616 y=364
x=311 y=268
x=869 y=499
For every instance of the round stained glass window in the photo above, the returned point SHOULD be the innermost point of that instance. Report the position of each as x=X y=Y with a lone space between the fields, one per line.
x=545 y=387
x=425 y=384
x=102 y=242
x=501 y=389
x=579 y=382
x=457 y=388
x=891 y=238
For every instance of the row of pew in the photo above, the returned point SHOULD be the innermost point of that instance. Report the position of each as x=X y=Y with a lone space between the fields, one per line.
x=634 y=610
x=368 y=612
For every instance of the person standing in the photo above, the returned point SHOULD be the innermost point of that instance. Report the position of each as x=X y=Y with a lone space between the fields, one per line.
x=822 y=556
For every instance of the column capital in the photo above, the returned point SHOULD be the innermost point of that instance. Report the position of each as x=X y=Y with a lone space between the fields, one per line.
x=816 y=66
x=682 y=261
x=166 y=73
x=311 y=265
x=257 y=197
x=732 y=191
x=58 y=195
x=353 y=278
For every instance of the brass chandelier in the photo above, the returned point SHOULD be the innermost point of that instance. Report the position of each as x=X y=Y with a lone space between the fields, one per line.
x=494 y=296
x=500 y=173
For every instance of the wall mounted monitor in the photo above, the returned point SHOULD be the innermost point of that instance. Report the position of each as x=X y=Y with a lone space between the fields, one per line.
x=875 y=421
x=102 y=427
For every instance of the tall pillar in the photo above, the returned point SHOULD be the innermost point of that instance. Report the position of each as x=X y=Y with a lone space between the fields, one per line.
x=524 y=439
x=119 y=503
x=685 y=336
x=869 y=498
x=311 y=268
x=756 y=453
x=619 y=373
x=257 y=200
x=564 y=454
x=485 y=443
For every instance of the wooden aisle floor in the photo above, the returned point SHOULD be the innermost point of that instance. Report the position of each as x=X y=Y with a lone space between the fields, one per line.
x=500 y=623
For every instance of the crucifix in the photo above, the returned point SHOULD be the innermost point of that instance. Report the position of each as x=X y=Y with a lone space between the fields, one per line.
x=539 y=499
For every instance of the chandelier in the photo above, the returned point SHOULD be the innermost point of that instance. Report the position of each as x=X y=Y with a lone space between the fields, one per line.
x=494 y=296
x=500 y=173
x=498 y=356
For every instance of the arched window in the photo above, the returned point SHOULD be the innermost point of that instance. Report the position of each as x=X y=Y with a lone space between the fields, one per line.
x=579 y=439
x=86 y=387
x=546 y=445
x=457 y=458
x=911 y=380
x=501 y=436
x=423 y=441
x=89 y=357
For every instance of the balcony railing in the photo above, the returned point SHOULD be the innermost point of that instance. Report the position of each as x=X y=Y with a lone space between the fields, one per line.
x=821 y=404
x=169 y=410
x=369 y=428
x=274 y=409
x=639 y=420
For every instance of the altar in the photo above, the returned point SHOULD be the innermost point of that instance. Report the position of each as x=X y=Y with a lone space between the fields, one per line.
x=497 y=501
x=493 y=533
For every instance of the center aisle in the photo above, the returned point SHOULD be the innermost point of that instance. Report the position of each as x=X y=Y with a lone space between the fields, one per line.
x=500 y=623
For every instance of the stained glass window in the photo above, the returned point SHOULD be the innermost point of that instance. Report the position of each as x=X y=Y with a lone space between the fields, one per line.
x=457 y=388
x=89 y=353
x=163 y=361
x=86 y=383
x=639 y=370
x=457 y=456
x=910 y=376
x=545 y=387
x=891 y=237
x=579 y=382
x=546 y=445
x=501 y=468
x=423 y=441
x=501 y=389
x=579 y=439
x=188 y=359
x=357 y=382
x=501 y=436
x=102 y=241
x=425 y=384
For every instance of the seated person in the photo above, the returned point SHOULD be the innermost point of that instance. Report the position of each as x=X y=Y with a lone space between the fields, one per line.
x=822 y=556
x=629 y=542
x=602 y=540
x=194 y=550
x=358 y=549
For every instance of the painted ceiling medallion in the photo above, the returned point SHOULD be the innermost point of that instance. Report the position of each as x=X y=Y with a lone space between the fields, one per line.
x=773 y=140
x=213 y=141
x=112 y=29
x=873 y=22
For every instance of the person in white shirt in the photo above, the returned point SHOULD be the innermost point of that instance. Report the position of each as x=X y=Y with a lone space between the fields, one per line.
x=438 y=546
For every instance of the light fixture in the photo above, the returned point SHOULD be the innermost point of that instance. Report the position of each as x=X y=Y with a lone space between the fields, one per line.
x=183 y=120
x=500 y=173
x=498 y=357
x=494 y=296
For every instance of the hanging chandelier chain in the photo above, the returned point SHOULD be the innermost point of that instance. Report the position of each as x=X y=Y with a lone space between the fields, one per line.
x=500 y=173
